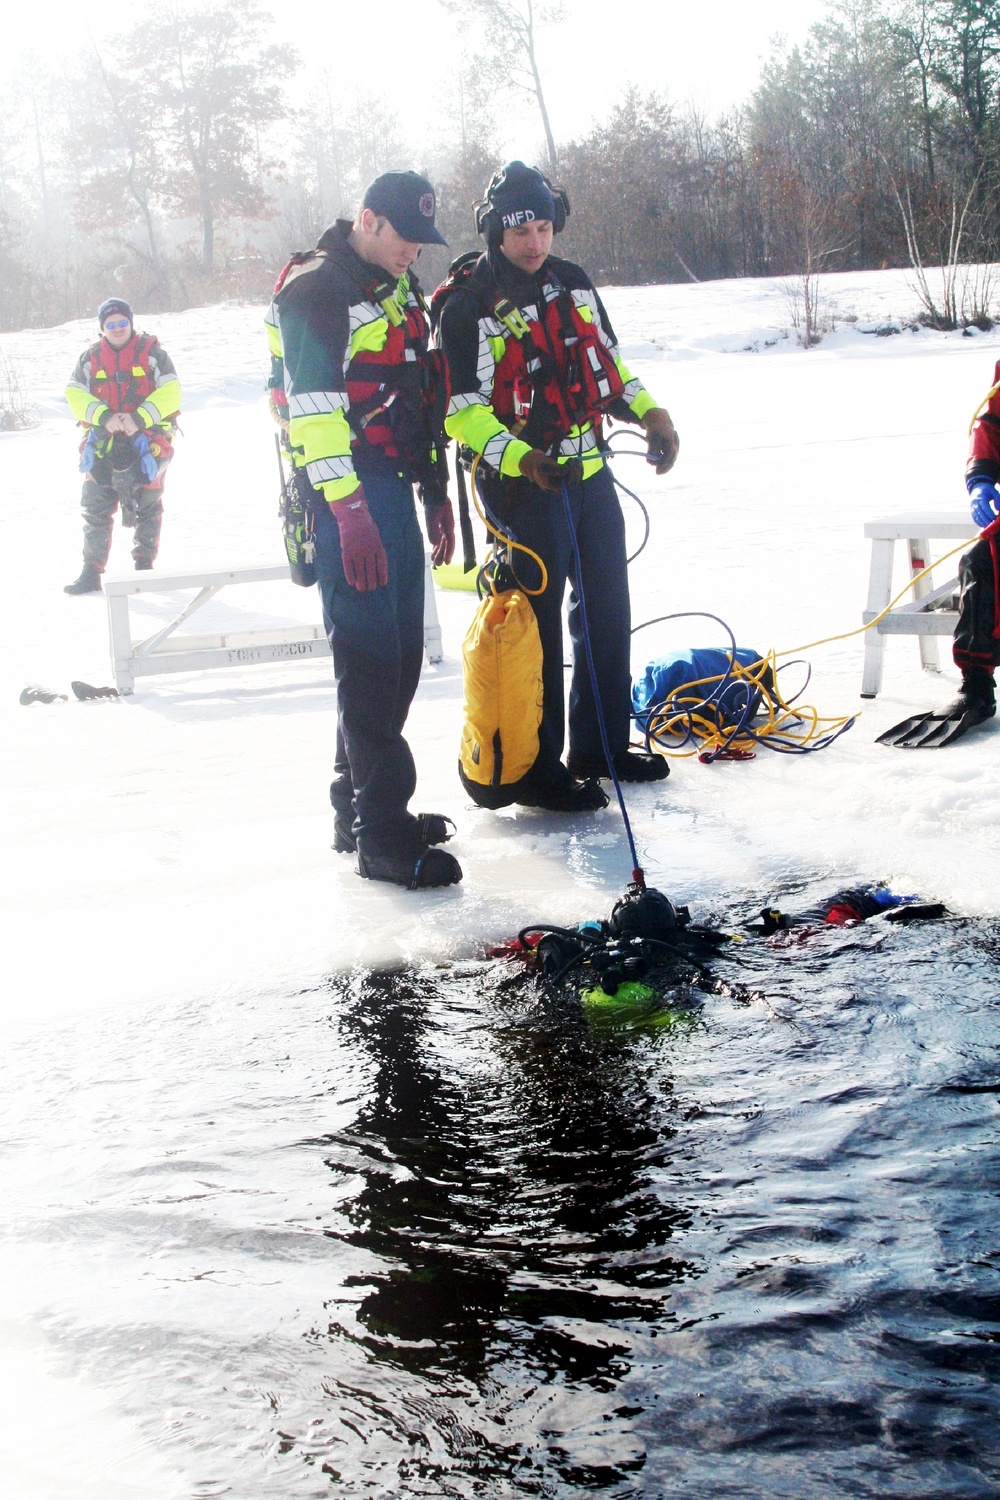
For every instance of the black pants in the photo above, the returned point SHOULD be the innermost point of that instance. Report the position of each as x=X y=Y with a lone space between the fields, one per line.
x=975 y=644
x=377 y=639
x=142 y=507
x=539 y=522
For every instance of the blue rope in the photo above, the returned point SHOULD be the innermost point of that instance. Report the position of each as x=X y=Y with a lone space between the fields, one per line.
x=637 y=874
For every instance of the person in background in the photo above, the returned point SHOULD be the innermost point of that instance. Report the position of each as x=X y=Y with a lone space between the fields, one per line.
x=533 y=367
x=125 y=393
x=975 y=646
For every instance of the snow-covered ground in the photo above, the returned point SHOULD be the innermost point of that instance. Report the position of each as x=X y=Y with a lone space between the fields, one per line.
x=178 y=843
x=180 y=840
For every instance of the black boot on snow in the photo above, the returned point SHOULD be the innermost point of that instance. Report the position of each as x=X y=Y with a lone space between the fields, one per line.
x=89 y=581
x=432 y=828
x=562 y=794
x=418 y=867
x=143 y=564
x=630 y=765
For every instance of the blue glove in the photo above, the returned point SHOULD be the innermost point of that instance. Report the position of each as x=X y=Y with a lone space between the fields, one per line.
x=148 y=463
x=87 y=452
x=985 y=499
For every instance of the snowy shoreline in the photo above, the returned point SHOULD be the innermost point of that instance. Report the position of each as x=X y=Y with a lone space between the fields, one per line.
x=184 y=835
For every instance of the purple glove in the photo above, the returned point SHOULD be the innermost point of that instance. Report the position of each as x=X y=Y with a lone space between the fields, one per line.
x=440 y=523
x=985 y=499
x=361 y=550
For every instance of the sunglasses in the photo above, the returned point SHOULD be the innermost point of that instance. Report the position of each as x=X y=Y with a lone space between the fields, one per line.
x=115 y=323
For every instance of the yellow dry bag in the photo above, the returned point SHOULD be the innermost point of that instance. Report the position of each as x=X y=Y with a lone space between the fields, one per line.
x=502 y=678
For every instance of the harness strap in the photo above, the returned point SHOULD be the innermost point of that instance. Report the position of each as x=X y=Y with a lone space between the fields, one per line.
x=464 y=518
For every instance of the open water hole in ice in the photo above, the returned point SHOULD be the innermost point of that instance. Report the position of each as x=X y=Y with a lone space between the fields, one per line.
x=431 y=1232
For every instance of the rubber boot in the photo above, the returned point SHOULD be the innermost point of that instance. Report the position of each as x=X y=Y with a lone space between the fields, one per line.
x=561 y=793
x=432 y=828
x=418 y=867
x=979 y=690
x=630 y=765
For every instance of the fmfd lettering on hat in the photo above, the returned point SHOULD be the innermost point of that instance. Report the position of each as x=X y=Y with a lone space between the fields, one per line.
x=519 y=216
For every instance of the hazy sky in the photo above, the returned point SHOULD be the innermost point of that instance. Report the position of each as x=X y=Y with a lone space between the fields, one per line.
x=707 y=53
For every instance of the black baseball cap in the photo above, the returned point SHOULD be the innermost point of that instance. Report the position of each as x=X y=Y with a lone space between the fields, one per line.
x=408 y=201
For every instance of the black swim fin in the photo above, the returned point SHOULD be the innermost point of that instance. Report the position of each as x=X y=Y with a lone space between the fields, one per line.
x=85 y=692
x=933 y=731
x=35 y=693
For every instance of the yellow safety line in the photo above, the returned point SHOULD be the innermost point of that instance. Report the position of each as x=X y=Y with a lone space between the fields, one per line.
x=780 y=714
x=846 y=635
x=507 y=540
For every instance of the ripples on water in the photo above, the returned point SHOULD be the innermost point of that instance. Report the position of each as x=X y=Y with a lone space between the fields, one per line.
x=431 y=1233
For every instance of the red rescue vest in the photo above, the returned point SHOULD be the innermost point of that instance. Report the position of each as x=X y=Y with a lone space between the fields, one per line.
x=388 y=388
x=555 y=373
x=122 y=378
x=397 y=395
x=557 y=376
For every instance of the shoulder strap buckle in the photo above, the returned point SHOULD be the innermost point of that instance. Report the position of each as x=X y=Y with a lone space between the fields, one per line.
x=505 y=312
x=385 y=295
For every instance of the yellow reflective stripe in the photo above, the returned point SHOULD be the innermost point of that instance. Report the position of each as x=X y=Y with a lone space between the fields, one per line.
x=370 y=337
x=638 y=398
x=320 y=435
x=166 y=399
x=339 y=489
x=84 y=406
x=473 y=426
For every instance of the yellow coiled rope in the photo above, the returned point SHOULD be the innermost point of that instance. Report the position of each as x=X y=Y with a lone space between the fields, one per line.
x=692 y=717
x=506 y=541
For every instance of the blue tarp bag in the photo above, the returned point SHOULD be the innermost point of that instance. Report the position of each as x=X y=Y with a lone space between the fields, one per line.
x=736 y=700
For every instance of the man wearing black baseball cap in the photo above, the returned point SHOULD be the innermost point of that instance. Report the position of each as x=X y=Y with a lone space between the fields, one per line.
x=350 y=324
x=407 y=200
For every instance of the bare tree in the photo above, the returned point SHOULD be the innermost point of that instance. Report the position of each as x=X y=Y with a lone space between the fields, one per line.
x=913 y=30
x=118 y=147
x=510 y=53
x=212 y=88
x=965 y=292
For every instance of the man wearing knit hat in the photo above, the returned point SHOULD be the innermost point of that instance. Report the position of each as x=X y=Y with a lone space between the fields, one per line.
x=534 y=367
x=125 y=394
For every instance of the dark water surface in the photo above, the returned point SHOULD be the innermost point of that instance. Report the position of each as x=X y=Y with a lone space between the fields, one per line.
x=433 y=1233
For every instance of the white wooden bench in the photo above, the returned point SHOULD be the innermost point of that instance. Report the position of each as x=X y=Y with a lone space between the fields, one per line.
x=920 y=616
x=164 y=652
